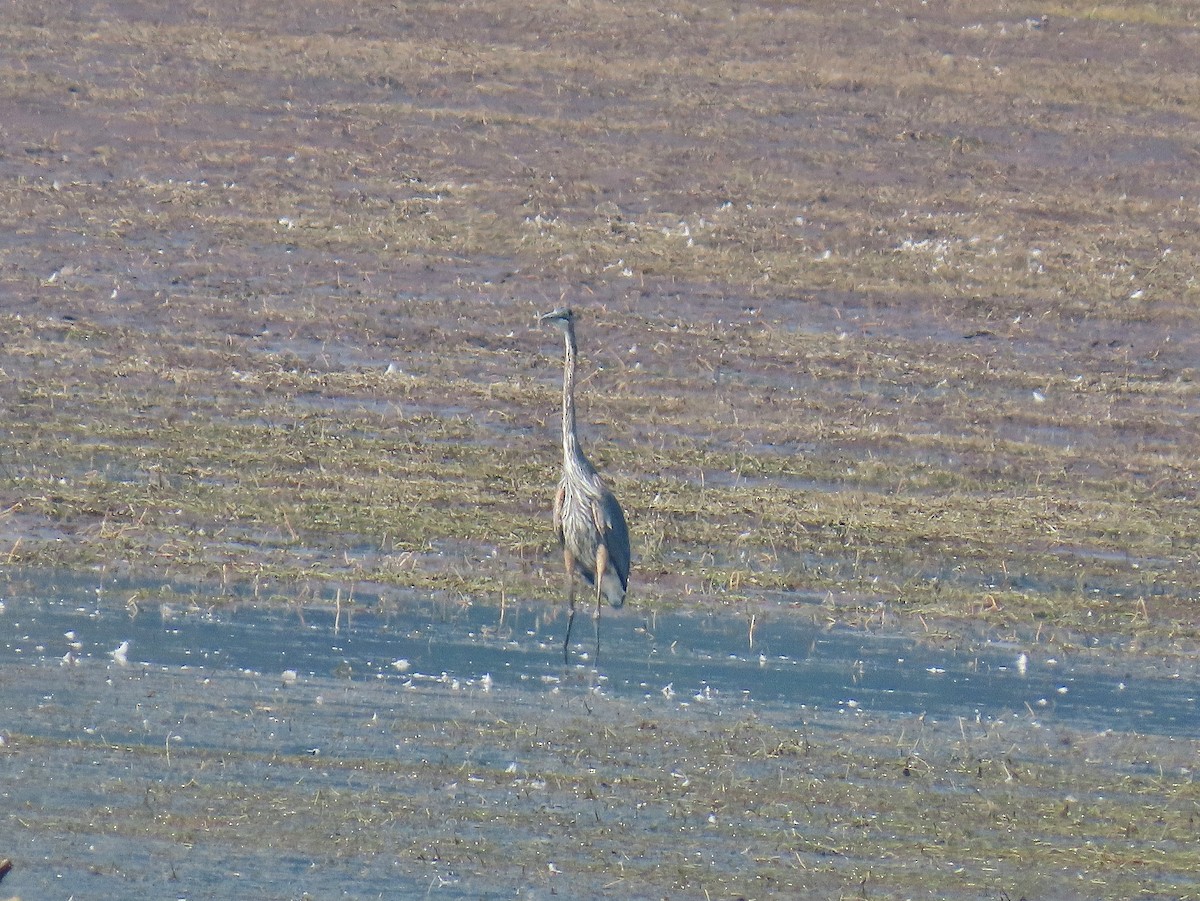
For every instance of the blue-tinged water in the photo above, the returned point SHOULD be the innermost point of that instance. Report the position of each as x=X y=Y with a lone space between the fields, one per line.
x=783 y=664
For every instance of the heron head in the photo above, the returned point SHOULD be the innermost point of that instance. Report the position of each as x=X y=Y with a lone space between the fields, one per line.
x=563 y=316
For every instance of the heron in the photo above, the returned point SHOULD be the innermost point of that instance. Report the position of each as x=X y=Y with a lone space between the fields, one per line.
x=588 y=519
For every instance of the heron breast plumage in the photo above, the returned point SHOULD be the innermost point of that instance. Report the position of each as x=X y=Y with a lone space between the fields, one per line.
x=587 y=516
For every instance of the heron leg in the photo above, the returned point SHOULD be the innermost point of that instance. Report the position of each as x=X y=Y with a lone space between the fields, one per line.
x=569 y=560
x=601 y=565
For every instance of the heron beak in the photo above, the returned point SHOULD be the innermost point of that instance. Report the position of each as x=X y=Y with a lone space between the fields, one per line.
x=562 y=314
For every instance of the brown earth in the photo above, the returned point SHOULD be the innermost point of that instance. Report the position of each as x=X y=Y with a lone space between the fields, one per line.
x=889 y=308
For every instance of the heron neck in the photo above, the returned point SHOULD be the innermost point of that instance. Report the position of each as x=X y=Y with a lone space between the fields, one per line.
x=570 y=438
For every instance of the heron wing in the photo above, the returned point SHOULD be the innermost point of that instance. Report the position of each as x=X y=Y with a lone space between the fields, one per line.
x=610 y=522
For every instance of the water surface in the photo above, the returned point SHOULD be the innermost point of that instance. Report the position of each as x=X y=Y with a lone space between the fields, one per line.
x=185 y=750
x=779 y=660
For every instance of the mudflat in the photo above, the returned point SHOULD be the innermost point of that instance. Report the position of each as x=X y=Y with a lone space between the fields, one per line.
x=887 y=322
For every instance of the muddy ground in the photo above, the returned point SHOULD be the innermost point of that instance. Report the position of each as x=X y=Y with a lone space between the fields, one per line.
x=888 y=317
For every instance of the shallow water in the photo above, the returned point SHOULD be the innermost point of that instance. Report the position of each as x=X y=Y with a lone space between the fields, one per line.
x=230 y=701
x=777 y=661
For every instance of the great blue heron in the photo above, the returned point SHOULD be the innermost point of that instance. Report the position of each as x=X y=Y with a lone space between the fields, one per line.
x=589 y=521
